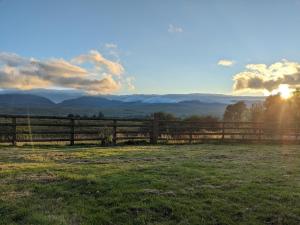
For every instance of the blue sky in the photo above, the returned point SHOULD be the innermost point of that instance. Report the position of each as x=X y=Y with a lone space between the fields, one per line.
x=170 y=46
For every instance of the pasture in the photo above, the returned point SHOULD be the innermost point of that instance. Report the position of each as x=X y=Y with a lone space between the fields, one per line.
x=151 y=184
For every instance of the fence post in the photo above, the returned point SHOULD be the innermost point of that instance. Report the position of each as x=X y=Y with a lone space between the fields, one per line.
x=114 y=132
x=155 y=130
x=14 y=131
x=223 y=131
x=72 y=139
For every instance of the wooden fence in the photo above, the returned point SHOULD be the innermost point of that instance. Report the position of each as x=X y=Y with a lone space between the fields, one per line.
x=21 y=129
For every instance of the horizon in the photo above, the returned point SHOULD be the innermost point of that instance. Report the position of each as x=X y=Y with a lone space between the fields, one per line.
x=155 y=47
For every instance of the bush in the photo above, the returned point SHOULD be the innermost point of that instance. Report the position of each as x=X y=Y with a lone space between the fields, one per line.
x=106 y=136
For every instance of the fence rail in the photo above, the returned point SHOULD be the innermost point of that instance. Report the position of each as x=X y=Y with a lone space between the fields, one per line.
x=16 y=129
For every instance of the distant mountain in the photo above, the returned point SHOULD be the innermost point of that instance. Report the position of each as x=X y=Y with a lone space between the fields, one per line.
x=175 y=98
x=90 y=101
x=61 y=95
x=54 y=95
x=141 y=108
x=24 y=100
x=117 y=105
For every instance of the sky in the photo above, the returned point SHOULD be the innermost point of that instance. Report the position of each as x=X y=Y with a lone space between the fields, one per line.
x=158 y=47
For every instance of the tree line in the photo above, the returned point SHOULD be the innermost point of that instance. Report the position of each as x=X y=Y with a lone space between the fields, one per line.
x=100 y=115
x=273 y=109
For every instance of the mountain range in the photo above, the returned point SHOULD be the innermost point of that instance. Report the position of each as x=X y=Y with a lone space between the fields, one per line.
x=62 y=102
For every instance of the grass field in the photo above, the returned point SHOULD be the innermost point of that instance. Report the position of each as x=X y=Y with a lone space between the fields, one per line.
x=169 y=184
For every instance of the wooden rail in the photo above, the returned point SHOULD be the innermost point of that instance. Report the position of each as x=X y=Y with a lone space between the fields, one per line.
x=16 y=129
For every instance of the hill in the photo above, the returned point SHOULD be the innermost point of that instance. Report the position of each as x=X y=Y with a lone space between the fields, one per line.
x=90 y=101
x=58 y=96
x=24 y=100
x=120 y=106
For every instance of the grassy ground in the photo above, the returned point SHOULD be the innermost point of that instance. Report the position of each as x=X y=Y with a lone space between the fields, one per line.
x=195 y=184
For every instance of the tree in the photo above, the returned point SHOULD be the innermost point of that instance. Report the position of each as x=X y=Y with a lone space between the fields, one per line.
x=100 y=115
x=295 y=105
x=274 y=108
x=256 y=112
x=164 y=116
x=235 y=112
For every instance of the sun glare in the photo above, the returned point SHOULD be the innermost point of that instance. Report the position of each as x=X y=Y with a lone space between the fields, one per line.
x=284 y=91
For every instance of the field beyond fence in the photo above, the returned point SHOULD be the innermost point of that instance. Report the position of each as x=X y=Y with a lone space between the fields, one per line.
x=16 y=129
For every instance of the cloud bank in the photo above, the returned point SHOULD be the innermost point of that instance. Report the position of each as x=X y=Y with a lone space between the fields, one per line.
x=226 y=62
x=264 y=78
x=103 y=76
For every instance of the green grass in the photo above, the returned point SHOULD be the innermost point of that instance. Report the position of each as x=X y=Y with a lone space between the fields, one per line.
x=169 y=184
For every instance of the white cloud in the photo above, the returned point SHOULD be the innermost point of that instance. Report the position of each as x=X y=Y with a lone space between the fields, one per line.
x=226 y=62
x=27 y=73
x=174 y=29
x=96 y=58
x=264 y=78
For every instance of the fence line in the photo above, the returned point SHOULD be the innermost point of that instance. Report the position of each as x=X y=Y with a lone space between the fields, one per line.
x=16 y=129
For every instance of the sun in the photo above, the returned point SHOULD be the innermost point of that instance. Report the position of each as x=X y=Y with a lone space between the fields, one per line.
x=284 y=91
